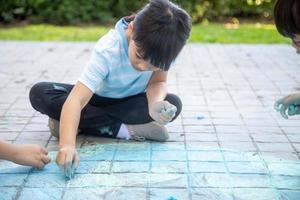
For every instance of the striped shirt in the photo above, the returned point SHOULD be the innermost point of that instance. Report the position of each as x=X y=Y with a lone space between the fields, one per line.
x=109 y=72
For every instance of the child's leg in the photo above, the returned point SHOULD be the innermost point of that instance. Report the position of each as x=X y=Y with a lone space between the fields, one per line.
x=134 y=109
x=102 y=116
x=48 y=98
x=133 y=112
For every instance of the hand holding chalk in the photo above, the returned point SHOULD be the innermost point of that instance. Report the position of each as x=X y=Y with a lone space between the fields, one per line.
x=293 y=110
x=168 y=113
x=67 y=160
x=163 y=112
x=289 y=105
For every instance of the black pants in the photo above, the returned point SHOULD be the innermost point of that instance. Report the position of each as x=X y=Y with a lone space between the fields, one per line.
x=49 y=97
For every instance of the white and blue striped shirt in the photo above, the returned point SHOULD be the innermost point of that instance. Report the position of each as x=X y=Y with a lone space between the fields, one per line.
x=109 y=72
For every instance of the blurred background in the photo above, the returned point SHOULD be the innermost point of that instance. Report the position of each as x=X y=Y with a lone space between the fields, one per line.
x=215 y=21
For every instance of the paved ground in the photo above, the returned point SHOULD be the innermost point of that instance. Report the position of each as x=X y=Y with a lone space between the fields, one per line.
x=228 y=143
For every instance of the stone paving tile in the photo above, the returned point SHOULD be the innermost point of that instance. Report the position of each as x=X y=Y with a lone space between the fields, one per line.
x=234 y=137
x=247 y=167
x=275 y=147
x=289 y=194
x=249 y=180
x=207 y=137
x=158 y=193
x=132 y=155
x=41 y=193
x=45 y=180
x=269 y=138
x=104 y=193
x=89 y=167
x=294 y=137
x=169 y=155
x=212 y=193
x=169 y=167
x=215 y=180
x=9 y=135
x=207 y=167
x=281 y=169
x=11 y=180
x=130 y=167
x=242 y=146
x=286 y=182
x=227 y=144
x=204 y=156
x=202 y=145
x=254 y=193
x=8 y=193
x=168 y=180
x=279 y=156
x=297 y=146
x=7 y=167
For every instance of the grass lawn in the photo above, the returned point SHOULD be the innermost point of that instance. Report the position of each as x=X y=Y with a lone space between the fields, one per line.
x=209 y=33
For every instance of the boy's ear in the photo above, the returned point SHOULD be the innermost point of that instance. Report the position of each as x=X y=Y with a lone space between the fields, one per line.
x=131 y=25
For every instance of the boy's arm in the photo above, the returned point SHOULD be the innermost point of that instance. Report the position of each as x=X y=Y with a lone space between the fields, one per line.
x=160 y=110
x=157 y=88
x=70 y=114
x=69 y=121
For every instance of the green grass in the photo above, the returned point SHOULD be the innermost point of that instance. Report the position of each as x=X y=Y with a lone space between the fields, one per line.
x=53 y=33
x=244 y=33
x=209 y=33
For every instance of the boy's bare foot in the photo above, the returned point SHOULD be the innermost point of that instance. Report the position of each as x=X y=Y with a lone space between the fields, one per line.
x=30 y=155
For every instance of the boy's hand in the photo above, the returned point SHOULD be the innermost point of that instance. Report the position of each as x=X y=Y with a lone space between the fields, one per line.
x=289 y=105
x=162 y=112
x=30 y=155
x=67 y=160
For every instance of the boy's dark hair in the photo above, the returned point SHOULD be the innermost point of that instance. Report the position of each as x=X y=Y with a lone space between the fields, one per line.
x=161 y=29
x=287 y=17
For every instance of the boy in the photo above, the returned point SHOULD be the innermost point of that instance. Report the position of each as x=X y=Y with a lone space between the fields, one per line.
x=287 y=20
x=122 y=92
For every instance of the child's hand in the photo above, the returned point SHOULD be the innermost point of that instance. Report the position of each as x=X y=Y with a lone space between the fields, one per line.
x=67 y=160
x=289 y=105
x=162 y=112
x=30 y=155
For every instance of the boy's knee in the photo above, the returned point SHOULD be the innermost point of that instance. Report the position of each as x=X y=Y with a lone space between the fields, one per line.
x=36 y=96
x=175 y=100
x=37 y=88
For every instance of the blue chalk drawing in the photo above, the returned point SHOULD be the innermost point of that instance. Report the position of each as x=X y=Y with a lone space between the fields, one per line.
x=126 y=169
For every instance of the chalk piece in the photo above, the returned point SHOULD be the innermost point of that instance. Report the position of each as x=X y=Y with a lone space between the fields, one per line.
x=69 y=174
x=200 y=117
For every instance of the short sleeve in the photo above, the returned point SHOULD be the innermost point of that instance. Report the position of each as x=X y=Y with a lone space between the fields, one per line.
x=94 y=72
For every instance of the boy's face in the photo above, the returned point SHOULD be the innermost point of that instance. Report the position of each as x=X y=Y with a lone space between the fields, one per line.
x=296 y=43
x=135 y=58
x=137 y=62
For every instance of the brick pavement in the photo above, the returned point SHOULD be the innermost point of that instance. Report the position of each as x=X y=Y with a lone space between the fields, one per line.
x=228 y=143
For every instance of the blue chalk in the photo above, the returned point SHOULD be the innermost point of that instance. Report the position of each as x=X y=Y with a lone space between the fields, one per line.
x=69 y=174
x=200 y=117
